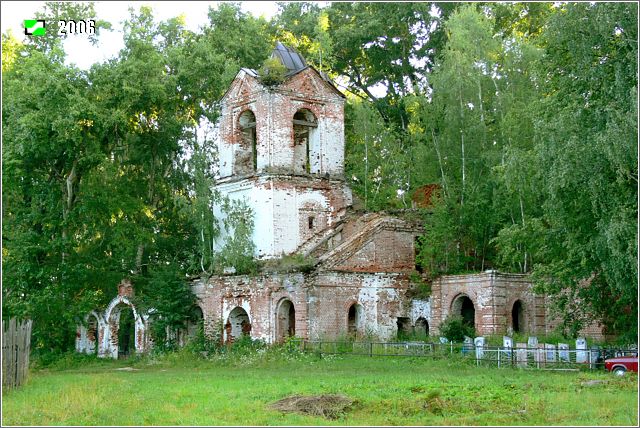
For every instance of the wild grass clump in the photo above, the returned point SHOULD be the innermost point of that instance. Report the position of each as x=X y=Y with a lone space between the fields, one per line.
x=69 y=361
x=289 y=263
x=244 y=351
x=330 y=406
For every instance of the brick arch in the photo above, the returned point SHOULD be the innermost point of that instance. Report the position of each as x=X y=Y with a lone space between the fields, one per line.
x=112 y=319
x=448 y=306
x=245 y=139
x=354 y=318
x=237 y=323
x=305 y=136
x=237 y=116
x=456 y=307
x=285 y=315
x=195 y=324
x=97 y=334
x=523 y=326
x=90 y=333
x=421 y=326
x=304 y=105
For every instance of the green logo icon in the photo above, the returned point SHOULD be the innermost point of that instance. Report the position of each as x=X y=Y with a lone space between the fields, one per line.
x=34 y=27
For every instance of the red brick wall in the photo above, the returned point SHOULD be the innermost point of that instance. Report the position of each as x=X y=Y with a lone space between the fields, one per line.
x=493 y=295
x=387 y=251
x=321 y=302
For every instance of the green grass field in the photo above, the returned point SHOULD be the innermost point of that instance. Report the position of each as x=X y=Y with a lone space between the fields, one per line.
x=387 y=391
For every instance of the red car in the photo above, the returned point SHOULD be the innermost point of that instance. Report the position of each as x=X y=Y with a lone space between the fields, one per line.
x=620 y=365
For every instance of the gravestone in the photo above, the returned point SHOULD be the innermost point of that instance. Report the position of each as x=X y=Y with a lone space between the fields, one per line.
x=595 y=355
x=479 y=344
x=521 y=354
x=507 y=344
x=581 y=353
x=532 y=345
x=563 y=352
x=467 y=345
x=551 y=352
x=540 y=356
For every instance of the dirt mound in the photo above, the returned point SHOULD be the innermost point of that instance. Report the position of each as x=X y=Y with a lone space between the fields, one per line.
x=327 y=405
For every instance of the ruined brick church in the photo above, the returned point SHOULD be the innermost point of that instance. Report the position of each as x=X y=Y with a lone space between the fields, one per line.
x=281 y=150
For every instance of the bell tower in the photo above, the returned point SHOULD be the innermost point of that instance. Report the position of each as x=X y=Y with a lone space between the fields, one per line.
x=281 y=150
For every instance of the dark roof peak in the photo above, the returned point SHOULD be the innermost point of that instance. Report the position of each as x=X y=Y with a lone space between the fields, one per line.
x=289 y=57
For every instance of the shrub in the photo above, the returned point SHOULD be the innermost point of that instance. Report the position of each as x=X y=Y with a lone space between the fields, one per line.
x=171 y=300
x=455 y=329
x=202 y=344
x=272 y=72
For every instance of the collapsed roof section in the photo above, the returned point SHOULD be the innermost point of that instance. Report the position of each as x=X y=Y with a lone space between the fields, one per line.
x=294 y=63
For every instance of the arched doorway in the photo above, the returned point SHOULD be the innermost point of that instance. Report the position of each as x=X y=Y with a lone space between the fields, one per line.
x=463 y=307
x=517 y=317
x=286 y=320
x=126 y=331
x=354 y=320
x=93 y=334
x=404 y=327
x=195 y=323
x=421 y=328
x=237 y=325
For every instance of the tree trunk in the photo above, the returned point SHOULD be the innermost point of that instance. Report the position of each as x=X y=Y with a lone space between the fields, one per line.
x=435 y=145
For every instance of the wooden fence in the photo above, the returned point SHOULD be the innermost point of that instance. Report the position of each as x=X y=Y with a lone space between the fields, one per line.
x=16 y=344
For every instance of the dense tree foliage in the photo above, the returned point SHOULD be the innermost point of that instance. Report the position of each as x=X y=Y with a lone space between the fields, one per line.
x=524 y=116
x=105 y=175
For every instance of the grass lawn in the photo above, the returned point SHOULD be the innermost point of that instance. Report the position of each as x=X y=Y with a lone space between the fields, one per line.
x=387 y=391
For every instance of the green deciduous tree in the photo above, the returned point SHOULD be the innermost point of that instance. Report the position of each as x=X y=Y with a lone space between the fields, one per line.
x=586 y=145
x=105 y=174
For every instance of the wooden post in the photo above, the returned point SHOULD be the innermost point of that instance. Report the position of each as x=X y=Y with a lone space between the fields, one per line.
x=16 y=344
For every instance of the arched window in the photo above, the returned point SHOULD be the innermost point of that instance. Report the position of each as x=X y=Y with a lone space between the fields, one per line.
x=246 y=156
x=355 y=322
x=305 y=143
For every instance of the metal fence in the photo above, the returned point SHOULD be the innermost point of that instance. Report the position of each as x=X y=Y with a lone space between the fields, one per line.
x=486 y=356
x=16 y=344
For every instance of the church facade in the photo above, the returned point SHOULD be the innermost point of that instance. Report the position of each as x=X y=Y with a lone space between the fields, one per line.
x=281 y=152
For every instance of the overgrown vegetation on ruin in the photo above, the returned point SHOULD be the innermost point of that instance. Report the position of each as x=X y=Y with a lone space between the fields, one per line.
x=240 y=388
x=523 y=116
x=455 y=329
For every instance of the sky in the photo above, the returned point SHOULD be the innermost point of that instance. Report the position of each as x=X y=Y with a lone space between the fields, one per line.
x=81 y=53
